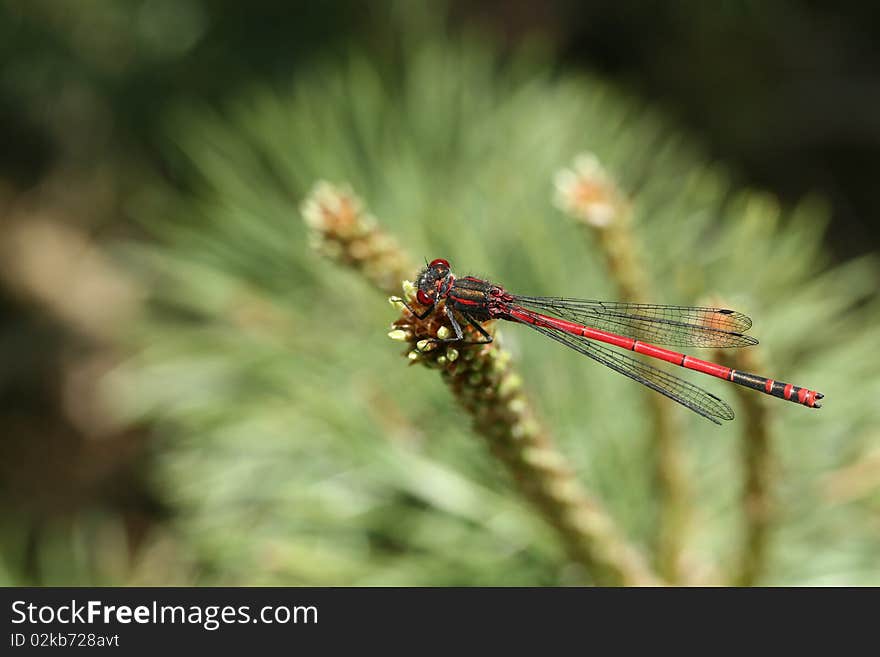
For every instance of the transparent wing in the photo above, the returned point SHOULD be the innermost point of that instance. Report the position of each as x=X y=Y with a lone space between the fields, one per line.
x=687 y=394
x=679 y=326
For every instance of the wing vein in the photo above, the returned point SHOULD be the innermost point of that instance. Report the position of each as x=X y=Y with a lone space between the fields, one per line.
x=687 y=394
x=681 y=326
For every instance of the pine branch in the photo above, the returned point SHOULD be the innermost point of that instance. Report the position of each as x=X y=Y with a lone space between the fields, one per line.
x=757 y=498
x=757 y=464
x=342 y=230
x=588 y=194
x=484 y=383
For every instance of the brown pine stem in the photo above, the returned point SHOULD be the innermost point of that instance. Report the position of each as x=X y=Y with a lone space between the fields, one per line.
x=589 y=195
x=758 y=501
x=483 y=381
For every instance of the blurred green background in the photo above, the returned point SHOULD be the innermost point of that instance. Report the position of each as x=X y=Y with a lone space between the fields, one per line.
x=191 y=395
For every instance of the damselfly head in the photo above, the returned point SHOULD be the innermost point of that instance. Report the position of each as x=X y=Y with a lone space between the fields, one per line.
x=434 y=282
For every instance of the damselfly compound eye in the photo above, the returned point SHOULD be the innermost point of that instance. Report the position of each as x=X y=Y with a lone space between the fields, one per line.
x=424 y=298
x=439 y=262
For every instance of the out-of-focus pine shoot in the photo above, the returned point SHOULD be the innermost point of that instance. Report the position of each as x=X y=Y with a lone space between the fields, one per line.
x=758 y=498
x=341 y=229
x=588 y=193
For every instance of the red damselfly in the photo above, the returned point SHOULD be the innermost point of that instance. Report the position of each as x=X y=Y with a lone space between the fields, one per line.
x=588 y=326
